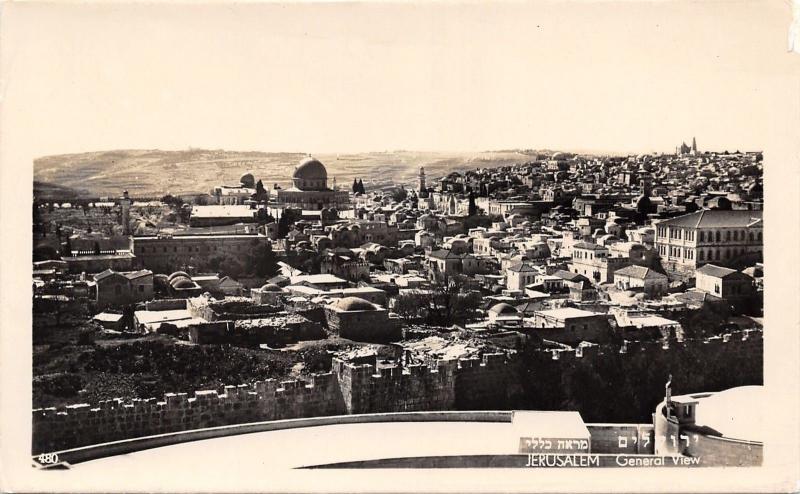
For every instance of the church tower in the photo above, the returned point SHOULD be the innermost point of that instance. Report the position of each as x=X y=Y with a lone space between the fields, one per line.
x=694 y=146
x=125 y=204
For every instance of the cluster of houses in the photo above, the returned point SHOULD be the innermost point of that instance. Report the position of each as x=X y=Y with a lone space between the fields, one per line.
x=564 y=247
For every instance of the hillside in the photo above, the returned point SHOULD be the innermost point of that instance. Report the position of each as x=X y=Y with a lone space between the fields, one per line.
x=155 y=172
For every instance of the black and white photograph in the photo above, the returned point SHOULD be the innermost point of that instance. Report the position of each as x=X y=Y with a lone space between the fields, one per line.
x=400 y=247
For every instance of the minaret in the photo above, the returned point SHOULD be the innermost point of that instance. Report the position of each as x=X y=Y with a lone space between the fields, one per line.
x=694 y=146
x=125 y=203
x=421 y=185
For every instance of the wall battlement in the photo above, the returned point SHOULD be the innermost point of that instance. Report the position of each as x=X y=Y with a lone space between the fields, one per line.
x=464 y=384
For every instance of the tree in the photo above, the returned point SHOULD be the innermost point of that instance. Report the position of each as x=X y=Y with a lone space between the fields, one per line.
x=68 y=247
x=452 y=301
x=400 y=194
x=413 y=305
x=97 y=248
x=261 y=193
x=355 y=186
x=472 y=209
x=263 y=262
x=361 y=188
x=201 y=200
x=263 y=217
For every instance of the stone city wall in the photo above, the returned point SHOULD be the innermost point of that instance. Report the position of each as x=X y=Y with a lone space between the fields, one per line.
x=80 y=425
x=491 y=381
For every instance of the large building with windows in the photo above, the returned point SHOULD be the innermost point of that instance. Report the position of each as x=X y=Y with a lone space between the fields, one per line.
x=309 y=190
x=723 y=238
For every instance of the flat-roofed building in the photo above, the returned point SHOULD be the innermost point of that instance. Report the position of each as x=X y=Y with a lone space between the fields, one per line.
x=165 y=252
x=218 y=215
x=570 y=325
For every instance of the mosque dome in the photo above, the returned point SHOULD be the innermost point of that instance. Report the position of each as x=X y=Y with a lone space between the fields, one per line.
x=353 y=304
x=248 y=180
x=271 y=287
x=310 y=174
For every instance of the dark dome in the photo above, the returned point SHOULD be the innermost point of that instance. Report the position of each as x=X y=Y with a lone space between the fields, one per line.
x=353 y=304
x=310 y=174
x=248 y=180
x=311 y=169
x=271 y=287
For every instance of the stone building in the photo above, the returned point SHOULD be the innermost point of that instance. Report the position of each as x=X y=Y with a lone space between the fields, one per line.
x=269 y=294
x=118 y=288
x=505 y=315
x=709 y=236
x=651 y=283
x=594 y=262
x=163 y=253
x=309 y=190
x=570 y=325
x=356 y=319
x=725 y=283
x=519 y=275
x=236 y=194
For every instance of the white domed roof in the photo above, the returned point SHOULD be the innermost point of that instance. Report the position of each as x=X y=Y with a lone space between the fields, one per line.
x=353 y=304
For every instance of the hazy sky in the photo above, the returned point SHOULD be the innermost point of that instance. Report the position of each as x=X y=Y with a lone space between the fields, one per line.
x=620 y=76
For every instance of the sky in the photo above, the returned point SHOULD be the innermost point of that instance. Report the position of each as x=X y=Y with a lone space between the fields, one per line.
x=595 y=76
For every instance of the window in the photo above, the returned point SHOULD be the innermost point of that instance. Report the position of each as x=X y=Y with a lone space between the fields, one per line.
x=728 y=235
x=759 y=236
x=718 y=255
x=751 y=236
x=718 y=236
x=736 y=235
x=699 y=255
x=716 y=288
x=702 y=236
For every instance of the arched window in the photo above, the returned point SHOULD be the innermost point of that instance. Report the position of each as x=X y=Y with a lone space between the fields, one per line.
x=718 y=237
x=699 y=255
x=736 y=235
x=759 y=236
x=702 y=236
x=751 y=236
x=728 y=235
x=718 y=255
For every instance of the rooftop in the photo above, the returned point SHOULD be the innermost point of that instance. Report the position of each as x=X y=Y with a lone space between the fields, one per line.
x=709 y=218
x=640 y=272
x=566 y=313
x=716 y=271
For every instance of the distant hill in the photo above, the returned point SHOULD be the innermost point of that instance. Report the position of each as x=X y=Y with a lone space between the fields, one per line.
x=197 y=171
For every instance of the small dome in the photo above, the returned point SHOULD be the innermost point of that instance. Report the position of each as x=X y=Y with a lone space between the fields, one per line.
x=353 y=304
x=182 y=283
x=248 y=180
x=503 y=308
x=177 y=274
x=271 y=287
